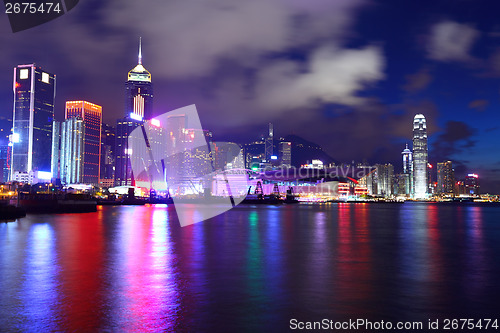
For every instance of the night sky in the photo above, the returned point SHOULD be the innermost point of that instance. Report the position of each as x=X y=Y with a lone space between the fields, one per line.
x=346 y=74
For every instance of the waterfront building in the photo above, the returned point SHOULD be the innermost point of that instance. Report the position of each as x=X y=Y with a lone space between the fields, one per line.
x=31 y=140
x=385 y=176
x=471 y=184
x=286 y=153
x=4 y=163
x=107 y=173
x=420 y=156
x=81 y=143
x=445 y=178
x=139 y=91
x=138 y=108
x=254 y=153
x=123 y=167
x=56 y=150
x=402 y=185
x=406 y=182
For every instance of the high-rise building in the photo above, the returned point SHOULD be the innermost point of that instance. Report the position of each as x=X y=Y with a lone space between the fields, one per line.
x=269 y=143
x=420 y=156
x=407 y=160
x=139 y=92
x=108 y=134
x=4 y=163
x=406 y=182
x=81 y=143
x=72 y=146
x=445 y=178
x=385 y=174
x=56 y=149
x=286 y=153
x=471 y=184
x=402 y=186
x=138 y=107
x=31 y=140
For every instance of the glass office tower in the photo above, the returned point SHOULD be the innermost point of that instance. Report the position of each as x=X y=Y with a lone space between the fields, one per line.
x=420 y=156
x=34 y=95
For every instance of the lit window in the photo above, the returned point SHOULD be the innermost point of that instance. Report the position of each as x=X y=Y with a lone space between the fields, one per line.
x=24 y=73
x=45 y=77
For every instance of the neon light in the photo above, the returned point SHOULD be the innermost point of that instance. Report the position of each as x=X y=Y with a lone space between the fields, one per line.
x=135 y=116
x=155 y=122
x=44 y=175
x=274 y=157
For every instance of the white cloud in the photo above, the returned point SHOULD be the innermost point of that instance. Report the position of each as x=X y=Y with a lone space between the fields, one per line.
x=189 y=38
x=216 y=41
x=451 y=41
x=331 y=76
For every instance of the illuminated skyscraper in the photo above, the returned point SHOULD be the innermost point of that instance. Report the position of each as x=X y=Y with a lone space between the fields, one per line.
x=270 y=143
x=107 y=174
x=81 y=143
x=472 y=184
x=405 y=180
x=139 y=92
x=286 y=153
x=445 y=178
x=138 y=107
x=407 y=160
x=385 y=173
x=420 y=156
x=34 y=95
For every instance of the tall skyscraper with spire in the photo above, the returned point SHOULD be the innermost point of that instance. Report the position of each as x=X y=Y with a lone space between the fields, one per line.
x=138 y=107
x=405 y=180
x=139 y=91
x=420 y=156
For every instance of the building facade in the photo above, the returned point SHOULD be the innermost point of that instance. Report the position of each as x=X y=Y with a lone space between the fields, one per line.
x=81 y=143
x=31 y=140
x=108 y=139
x=471 y=184
x=385 y=177
x=286 y=153
x=445 y=178
x=138 y=107
x=420 y=156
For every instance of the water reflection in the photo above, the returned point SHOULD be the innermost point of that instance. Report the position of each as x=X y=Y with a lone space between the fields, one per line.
x=354 y=279
x=39 y=293
x=250 y=269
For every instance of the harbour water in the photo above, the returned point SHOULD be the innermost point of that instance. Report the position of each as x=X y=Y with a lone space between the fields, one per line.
x=251 y=269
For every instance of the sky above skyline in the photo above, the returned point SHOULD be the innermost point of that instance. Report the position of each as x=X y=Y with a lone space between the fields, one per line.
x=346 y=74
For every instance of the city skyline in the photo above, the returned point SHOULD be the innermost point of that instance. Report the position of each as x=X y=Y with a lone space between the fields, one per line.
x=456 y=88
x=415 y=163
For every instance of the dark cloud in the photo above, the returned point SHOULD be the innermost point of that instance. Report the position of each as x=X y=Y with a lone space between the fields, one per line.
x=456 y=137
x=418 y=81
x=479 y=104
x=492 y=129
